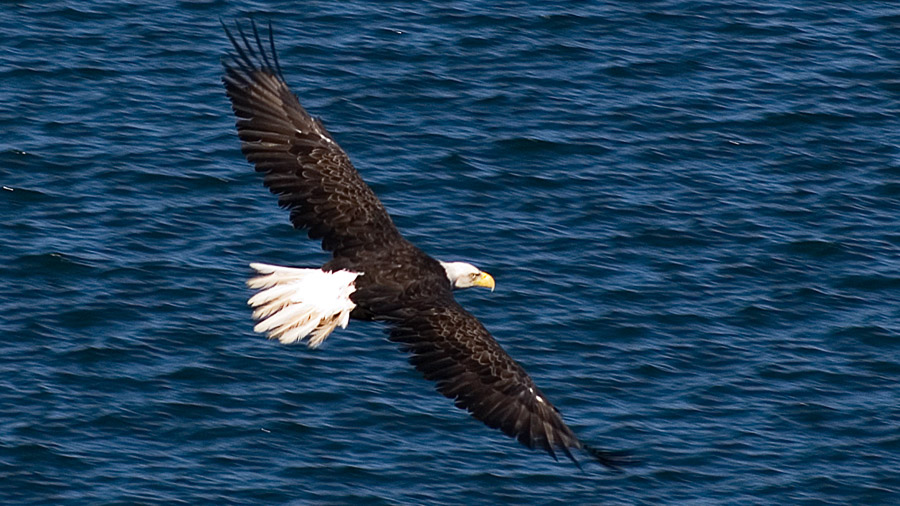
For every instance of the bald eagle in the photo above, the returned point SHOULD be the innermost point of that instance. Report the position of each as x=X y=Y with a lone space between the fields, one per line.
x=374 y=273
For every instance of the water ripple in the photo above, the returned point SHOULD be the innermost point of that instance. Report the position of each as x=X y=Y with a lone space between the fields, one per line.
x=689 y=209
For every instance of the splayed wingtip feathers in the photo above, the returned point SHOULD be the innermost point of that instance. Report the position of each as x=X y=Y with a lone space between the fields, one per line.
x=614 y=460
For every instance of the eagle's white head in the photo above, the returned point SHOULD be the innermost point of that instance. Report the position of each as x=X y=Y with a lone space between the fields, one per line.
x=463 y=275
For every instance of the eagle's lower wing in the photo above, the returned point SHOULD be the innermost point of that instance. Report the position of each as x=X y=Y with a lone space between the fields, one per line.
x=303 y=165
x=451 y=347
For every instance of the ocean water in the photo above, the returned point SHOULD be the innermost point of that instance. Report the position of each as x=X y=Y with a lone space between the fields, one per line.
x=690 y=208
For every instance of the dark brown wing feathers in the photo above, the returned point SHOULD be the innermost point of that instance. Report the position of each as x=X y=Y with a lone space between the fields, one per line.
x=451 y=347
x=303 y=165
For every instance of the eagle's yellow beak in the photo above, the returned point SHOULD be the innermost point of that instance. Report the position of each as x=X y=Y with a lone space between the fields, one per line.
x=485 y=280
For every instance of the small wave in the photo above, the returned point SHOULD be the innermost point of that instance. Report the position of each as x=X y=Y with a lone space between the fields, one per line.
x=533 y=145
x=817 y=248
x=54 y=262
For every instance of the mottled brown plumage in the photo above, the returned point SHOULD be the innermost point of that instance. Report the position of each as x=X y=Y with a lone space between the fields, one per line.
x=401 y=285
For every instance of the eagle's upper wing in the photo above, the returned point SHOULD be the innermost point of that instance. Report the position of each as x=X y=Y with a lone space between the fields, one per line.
x=451 y=347
x=303 y=165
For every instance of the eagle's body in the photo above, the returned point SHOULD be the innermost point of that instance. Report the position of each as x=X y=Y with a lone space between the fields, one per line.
x=386 y=290
x=374 y=273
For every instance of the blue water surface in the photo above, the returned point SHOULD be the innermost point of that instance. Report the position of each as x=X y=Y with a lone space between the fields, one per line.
x=690 y=208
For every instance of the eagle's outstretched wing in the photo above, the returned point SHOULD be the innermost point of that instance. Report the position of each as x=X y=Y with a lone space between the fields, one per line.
x=452 y=348
x=303 y=165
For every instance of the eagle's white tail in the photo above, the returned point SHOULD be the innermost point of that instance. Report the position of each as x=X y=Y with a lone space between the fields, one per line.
x=294 y=303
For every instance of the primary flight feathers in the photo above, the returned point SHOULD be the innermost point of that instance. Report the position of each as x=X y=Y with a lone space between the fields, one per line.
x=374 y=273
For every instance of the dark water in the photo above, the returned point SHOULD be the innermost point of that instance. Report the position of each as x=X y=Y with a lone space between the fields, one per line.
x=690 y=207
